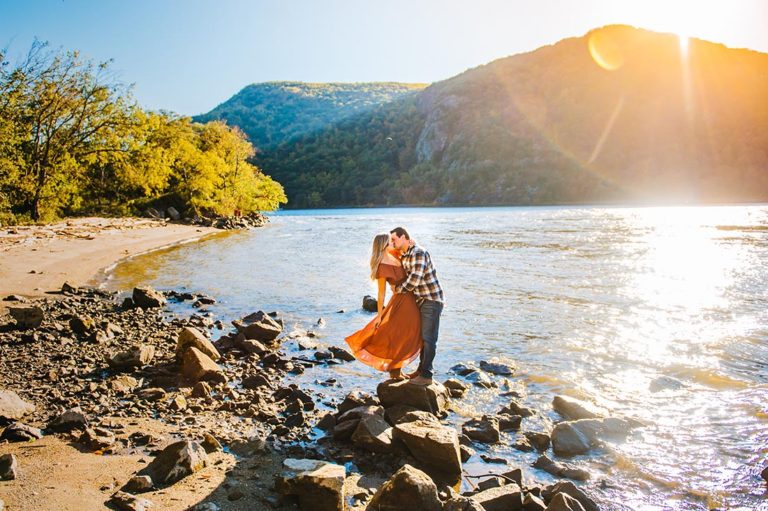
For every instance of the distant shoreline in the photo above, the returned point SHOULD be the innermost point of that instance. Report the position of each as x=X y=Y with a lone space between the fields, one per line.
x=37 y=259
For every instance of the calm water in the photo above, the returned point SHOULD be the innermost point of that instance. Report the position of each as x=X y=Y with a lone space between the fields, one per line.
x=595 y=303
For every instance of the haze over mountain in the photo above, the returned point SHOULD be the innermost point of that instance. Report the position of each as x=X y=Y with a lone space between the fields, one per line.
x=619 y=114
x=274 y=112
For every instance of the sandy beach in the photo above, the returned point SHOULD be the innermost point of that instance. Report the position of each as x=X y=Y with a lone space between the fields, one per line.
x=35 y=260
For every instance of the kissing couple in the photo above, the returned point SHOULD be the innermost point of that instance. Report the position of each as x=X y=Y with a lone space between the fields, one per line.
x=408 y=325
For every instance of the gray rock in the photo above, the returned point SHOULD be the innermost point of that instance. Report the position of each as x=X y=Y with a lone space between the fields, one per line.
x=564 y=502
x=370 y=304
x=484 y=430
x=319 y=485
x=455 y=387
x=201 y=390
x=205 y=506
x=344 y=430
x=432 y=398
x=373 y=434
x=574 y=409
x=210 y=443
x=175 y=462
x=197 y=366
x=572 y=490
x=126 y=502
x=173 y=213
x=97 y=438
x=408 y=488
x=9 y=467
x=515 y=408
x=764 y=474
x=466 y=453
x=498 y=368
x=18 y=432
x=360 y=412
x=540 y=441
x=533 y=503
x=12 y=407
x=459 y=503
x=138 y=484
x=147 y=298
x=250 y=345
x=463 y=369
x=356 y=398
x=509 y=422
x=396 y=414
x=560 y=469
x=504 y=498
x=491 y=482
x=665 y=383
x=151 y=394
x=480 y=379
x=27 y=316
x=341 y=354
x=259 y=326
x=69 y=420
x=135 y=356
x=190 y=337
x=82 y=325
x=568 y=440
x=432 y=444
x=123 y=384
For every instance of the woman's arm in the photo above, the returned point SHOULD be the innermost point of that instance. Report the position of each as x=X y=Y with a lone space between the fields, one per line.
x=380 y=299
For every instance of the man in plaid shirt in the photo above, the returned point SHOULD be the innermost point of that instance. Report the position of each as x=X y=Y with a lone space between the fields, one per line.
x=422 y=282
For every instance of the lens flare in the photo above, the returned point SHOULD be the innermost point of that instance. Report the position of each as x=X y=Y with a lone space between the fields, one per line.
x=605 y=50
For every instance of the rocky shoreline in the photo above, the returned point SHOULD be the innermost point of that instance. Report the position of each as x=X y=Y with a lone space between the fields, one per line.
x=85 y=365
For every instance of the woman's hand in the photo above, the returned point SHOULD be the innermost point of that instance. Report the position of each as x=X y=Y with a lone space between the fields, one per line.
x=377 y=321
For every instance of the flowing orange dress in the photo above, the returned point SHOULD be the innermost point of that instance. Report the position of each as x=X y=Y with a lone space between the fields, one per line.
x=397 y=340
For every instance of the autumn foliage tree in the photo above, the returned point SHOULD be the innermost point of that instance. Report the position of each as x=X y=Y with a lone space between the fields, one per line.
x=72 y=140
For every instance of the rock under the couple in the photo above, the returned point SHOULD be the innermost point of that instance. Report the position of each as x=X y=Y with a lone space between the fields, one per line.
x=431 y=398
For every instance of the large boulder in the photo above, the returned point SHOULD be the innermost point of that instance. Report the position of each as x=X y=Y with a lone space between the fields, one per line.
x=577 y=437
x=432 y=398
x=356 y=398
x=503 y=498
x=12 y=407
x=408 y=488
x=564 y=502
x=197 y=366
x=69 y=420
x=373 y=434
x=574 y=409
x=147 y=298
x=135 y=356
x=319 y=485
x=259 y=326
x=27 y=316
x=18 y=432
x=484 y=430
x=568 y=440
x=190 y=337
x=572 y=490
x=432 y=444
x=175 y=462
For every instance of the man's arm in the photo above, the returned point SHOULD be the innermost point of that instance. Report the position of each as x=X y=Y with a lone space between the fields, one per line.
x=416 y=274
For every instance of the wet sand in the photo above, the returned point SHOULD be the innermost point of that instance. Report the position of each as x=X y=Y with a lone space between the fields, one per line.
x=36 y=260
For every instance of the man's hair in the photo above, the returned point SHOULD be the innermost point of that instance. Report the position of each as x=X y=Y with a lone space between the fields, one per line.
x=400 y=232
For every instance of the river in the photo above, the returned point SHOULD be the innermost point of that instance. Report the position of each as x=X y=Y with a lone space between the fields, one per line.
x=655 y=313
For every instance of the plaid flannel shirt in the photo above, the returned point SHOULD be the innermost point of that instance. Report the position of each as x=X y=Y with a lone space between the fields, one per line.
x=422 y=278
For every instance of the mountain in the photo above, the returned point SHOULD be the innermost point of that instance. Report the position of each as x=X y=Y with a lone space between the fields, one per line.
x=274 y=112
x=619 y=114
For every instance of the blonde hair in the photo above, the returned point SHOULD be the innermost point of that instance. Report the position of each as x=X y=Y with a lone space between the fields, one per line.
x=378 y=249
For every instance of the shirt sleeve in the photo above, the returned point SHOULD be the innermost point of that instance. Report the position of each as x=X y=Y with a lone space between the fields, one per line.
x=416 y=275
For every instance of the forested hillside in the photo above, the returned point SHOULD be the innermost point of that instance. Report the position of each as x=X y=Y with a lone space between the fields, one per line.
x=274 y=112
x=620 y=114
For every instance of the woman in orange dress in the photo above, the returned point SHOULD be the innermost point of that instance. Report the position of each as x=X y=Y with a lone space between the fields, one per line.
x=393 y=338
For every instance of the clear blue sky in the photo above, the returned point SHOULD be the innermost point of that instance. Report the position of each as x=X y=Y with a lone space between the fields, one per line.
x=189 y=55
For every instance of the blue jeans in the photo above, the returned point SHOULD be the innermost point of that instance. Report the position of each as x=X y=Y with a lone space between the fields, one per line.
x=430 y=324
